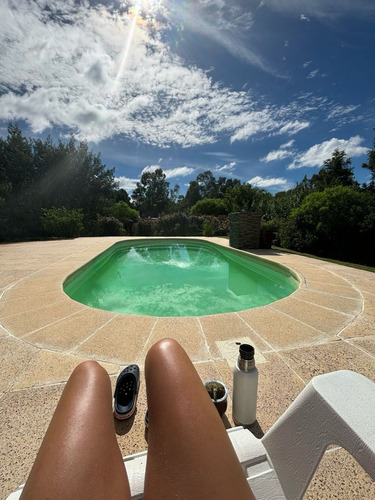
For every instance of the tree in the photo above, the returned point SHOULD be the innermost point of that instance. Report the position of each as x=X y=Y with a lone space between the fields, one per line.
x=36 y=174
x=337 y=171
x=285 y=201
x=192 y=195
x=244 y=197
x=338 y=222
x=223 y=184
x=209 y=206
x=123 y=212
x=175 y=199
x=370 y=165
x=16 y=164
x=122 y=195
x=207 y=185
x=151 y=194
x=61 y=222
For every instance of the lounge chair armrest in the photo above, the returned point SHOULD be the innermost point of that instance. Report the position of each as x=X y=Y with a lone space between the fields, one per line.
x=334 y=408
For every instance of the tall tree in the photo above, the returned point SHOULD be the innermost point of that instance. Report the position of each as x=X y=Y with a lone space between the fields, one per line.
x=151 y=195
x=337 y=171
x=36 y=174
x=370 y=165
x=192 y=195
x=207 y=185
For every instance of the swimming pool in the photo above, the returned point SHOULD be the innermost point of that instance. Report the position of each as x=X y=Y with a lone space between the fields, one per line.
x=178 y=277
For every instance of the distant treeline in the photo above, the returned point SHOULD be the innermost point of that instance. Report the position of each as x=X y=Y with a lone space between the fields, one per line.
x=64 y=190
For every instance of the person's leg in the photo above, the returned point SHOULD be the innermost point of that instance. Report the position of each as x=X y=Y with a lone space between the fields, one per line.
x=79 y=456
x=189 y=455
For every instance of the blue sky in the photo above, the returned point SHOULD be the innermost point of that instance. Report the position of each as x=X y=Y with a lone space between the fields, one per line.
x=262 y=91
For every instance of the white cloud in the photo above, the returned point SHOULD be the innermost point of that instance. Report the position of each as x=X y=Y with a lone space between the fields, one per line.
x=268 y=182
x=178 y=172
x=151 y=168
x=307 y=63
x=93 y=72
x=172 y=172
x=100 y=73
x=279 y=154
x=126 y=183
x=304 y=18
x=312 y=74
x=339 y=111
x=293 y=127
x=220 y=154
x=317 y=154
x=288 y=144
x=223 y=21
x=228 y=168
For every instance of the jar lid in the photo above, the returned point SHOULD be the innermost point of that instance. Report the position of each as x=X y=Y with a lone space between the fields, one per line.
x=247 y=351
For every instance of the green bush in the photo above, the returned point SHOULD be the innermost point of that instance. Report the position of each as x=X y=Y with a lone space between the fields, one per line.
x=338 y=222
x=220 y=224
x=144 y=227
x=181 y=225
x=209 y=206
x=123 y=212
x=173 y=225
x=108 y=226
x=61 y=222
x=208 y=230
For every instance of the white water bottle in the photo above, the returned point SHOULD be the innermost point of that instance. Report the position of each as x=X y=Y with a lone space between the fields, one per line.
x=245 y=387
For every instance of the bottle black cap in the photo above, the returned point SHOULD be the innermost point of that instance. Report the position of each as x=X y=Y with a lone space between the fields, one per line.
x=247 y=351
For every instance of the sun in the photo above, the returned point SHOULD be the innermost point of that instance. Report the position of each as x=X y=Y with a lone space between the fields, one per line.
x=144 y=11
x=147 y=7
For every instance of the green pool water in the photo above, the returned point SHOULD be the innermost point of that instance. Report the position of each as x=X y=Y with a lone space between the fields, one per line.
x=177 y=278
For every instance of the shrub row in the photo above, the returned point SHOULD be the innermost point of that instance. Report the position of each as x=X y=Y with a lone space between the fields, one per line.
x=182 y=225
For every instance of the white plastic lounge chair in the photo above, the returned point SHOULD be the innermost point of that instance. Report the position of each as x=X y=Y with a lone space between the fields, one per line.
x=335 y=408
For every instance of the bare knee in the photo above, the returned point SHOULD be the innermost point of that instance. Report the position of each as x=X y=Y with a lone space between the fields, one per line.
x=165 y=352
x=164 y=347
x=90 y=369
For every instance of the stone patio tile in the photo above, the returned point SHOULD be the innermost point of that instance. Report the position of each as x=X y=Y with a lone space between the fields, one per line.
x=49 y=367
x=15 y=355
x=279 y=329
x=39 y=284
x=11 y=276
x=366 y=343
x=318 y=317
x=10 y=307
x=366 y=283
x=120 y=341
x=361 y=327
x=348 y=305
x=68 y=333
x=310 y=361
x=278 y=386
x=369 y=303
x=24 y=416
x=3 y=332
x=187 y=331
x=341 y=290
x=29 y=321
x=228 y=326
x=340 y=476
x=323 y=276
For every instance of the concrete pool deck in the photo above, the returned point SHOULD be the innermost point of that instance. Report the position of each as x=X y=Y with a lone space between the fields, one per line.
x=327 y=324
